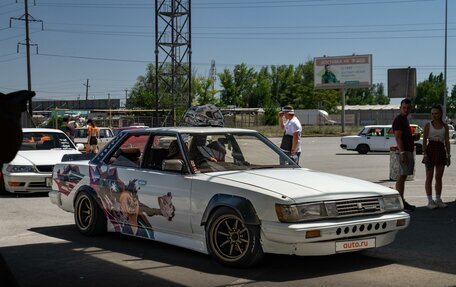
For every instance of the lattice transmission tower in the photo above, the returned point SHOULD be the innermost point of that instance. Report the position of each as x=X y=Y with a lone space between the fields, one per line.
x=173 y=69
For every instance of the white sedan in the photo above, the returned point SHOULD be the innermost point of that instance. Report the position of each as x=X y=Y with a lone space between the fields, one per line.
x=376 y=138
x=231 y=193
x=31 y=169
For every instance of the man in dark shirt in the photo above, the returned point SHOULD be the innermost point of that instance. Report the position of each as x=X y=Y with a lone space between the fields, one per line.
x=405 y=144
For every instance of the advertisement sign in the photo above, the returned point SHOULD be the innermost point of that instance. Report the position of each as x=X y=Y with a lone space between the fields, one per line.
x=343 y=72
x=402 y=83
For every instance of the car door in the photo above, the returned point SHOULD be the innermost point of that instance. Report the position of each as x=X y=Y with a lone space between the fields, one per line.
x=376 y=138
x=167 y=191
x=390 y=139
x=105 y=136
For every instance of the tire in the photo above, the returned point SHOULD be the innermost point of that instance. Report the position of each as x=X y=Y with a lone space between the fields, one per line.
x=88 y=216
x=362 y=149
x=232 y=242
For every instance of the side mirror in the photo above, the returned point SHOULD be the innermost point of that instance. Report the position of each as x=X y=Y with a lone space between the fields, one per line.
x=80 y=147
x=172 y=165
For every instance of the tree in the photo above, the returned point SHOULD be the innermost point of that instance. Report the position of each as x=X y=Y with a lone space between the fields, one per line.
x=429 y=93
x=203 y=91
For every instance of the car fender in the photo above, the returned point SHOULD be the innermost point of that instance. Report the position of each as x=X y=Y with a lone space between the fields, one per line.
x=89 y=190
x=241 y=205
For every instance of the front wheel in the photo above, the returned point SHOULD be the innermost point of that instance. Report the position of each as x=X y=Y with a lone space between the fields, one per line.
x=362 y=149
x=88 y=216
x=231 y=241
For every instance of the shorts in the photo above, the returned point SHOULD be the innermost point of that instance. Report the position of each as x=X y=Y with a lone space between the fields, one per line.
x=93 y=141
x=406 y=169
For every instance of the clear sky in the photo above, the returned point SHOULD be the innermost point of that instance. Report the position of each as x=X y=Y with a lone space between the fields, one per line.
x=110 y=42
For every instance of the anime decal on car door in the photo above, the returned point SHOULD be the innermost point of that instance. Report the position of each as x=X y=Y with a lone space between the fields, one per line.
x=120 y=202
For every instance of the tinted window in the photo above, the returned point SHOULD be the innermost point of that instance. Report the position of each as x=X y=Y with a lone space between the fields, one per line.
x=45 y=141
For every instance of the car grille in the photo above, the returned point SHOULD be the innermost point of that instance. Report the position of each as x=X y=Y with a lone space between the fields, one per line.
x=44 y=168
x=358 y=206
x=37 y=184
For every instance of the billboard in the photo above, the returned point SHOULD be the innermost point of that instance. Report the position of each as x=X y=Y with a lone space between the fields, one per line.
x=343 y=72
x=402 y=83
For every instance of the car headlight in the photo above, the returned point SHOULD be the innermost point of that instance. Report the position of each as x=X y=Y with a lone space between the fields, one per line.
x=20 y=168
x=392 y=202
x=302 y=212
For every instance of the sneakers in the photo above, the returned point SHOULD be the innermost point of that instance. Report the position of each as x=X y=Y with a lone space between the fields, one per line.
x=408 y=206
x=440 y=203
x=432 y=205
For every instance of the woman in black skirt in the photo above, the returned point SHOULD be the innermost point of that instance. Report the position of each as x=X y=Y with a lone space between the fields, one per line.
x=436 y=154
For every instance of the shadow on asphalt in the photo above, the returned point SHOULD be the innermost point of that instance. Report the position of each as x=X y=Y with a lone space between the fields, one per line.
x=77 y=262
x=115 y=260
x=428 y=243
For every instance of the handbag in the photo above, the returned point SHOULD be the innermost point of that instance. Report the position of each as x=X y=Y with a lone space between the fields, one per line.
x=287 y=142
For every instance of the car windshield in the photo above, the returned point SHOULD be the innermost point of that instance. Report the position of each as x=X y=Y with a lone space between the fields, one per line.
x=231 y=151
x=45 y=141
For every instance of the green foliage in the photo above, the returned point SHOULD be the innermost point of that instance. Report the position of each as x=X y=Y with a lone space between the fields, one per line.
x=429 y=93
x=375 y=95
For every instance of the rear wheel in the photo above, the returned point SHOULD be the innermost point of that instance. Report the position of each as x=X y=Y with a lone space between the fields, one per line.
x=88 y=216
x=231 y=241
x=362 y=149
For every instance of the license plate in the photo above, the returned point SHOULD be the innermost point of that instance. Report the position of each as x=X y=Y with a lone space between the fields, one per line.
x=350 y=245
x=48 y=181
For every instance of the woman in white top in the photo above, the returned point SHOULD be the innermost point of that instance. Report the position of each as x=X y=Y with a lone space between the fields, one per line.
x=436 y=154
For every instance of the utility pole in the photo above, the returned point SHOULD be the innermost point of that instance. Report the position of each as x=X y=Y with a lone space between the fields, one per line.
x=126 y=97
x=110 y=115
x=212 y=74
x=173 y=50
x=87 y=89
x=27 y=18
x=444 y=116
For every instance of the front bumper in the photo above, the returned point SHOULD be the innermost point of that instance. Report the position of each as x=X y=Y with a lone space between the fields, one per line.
x=284 y=238
x=343 y=146
x=27 y=182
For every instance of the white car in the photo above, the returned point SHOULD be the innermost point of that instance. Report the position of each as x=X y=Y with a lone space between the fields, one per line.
x=451 y=132
x=231 y=193
x=105 y=136
x=31 y=169
x=375 y=138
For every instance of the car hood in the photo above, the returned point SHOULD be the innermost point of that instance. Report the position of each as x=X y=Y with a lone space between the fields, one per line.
x=41 y=157
x=304 y=184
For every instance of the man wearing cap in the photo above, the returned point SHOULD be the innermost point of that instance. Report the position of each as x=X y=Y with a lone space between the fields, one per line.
x=291 y=140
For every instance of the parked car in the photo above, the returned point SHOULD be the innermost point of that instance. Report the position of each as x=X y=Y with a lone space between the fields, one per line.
x=451 y=131
x=106 y=135
x=31 y=169
x=228 y=192
x=375 y=138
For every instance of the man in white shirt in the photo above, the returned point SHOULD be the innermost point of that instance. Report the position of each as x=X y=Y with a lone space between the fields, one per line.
x=291 y=140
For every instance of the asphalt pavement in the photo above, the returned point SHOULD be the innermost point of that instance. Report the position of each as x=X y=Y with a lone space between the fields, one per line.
x=41 y=246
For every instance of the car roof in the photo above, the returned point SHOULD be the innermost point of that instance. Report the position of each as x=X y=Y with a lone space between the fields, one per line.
x=41 y=130
x=84 y=128
x=378 y=126
x=193 y=130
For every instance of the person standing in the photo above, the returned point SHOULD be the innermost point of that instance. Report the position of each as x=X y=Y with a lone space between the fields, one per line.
x=436 y=154
x=405 y=144
x=68 y=128
x=291 y=140
x=92 y=136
